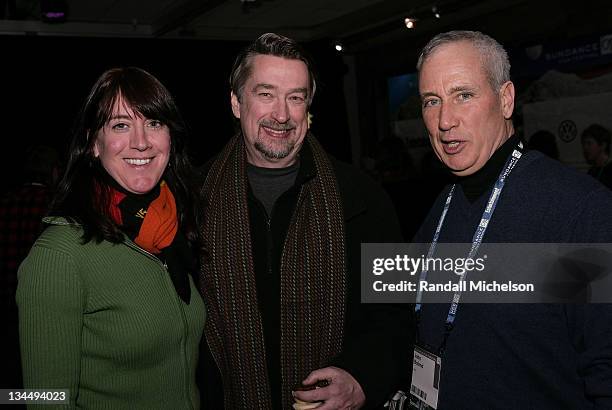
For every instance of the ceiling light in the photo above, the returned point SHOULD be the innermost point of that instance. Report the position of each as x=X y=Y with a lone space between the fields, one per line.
x=435 y=12
x=409 y=22
x=338 y=46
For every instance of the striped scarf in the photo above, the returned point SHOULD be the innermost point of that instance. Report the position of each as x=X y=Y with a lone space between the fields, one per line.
x=313 y=276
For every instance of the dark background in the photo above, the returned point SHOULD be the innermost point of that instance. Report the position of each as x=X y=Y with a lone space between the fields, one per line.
x=46 y=79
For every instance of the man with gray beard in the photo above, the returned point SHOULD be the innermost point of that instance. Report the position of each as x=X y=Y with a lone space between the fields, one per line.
x=283 y=223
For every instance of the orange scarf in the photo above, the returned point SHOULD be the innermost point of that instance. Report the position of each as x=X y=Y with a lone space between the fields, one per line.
x=159 y=225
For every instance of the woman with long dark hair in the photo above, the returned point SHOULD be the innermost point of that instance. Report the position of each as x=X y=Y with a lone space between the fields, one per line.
x=107 y=305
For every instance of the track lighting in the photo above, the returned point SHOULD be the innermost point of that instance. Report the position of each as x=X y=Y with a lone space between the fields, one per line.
x=410 y=22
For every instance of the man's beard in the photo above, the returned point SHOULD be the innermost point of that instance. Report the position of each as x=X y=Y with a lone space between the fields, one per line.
x=282 y=150
x=275 y=149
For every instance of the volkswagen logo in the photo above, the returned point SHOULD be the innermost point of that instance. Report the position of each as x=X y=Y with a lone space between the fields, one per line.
x=567 y=131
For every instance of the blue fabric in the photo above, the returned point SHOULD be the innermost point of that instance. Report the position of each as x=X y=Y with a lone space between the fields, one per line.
x=526 y=356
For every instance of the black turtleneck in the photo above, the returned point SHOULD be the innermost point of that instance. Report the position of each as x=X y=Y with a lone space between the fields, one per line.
x=481 y=181
x=268 y=184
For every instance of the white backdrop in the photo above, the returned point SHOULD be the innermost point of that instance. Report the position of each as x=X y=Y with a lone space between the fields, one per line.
x=567 y=117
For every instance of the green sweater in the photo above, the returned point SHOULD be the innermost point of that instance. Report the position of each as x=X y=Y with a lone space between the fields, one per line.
x=104 y=321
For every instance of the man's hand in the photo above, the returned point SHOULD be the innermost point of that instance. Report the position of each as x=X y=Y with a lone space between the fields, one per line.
x=343 y=392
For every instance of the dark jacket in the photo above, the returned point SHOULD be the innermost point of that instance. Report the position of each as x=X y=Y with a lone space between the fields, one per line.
x=526 y=356
x=377 y=337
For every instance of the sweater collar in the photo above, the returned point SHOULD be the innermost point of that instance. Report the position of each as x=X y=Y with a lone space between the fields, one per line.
x=481 y=181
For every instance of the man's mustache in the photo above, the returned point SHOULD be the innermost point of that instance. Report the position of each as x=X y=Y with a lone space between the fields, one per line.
x=277 y=126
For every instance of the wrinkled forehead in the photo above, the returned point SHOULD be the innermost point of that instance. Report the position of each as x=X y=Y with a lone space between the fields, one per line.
x=454 y=65
x=276 y=71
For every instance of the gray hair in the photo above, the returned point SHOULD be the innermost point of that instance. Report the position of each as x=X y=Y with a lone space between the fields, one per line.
x=494 y=58
x=274 y=45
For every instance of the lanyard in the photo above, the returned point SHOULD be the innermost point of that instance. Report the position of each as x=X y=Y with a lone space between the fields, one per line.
x=476 y=240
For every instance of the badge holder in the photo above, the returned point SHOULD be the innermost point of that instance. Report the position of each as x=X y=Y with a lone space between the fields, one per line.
x=425 y=385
